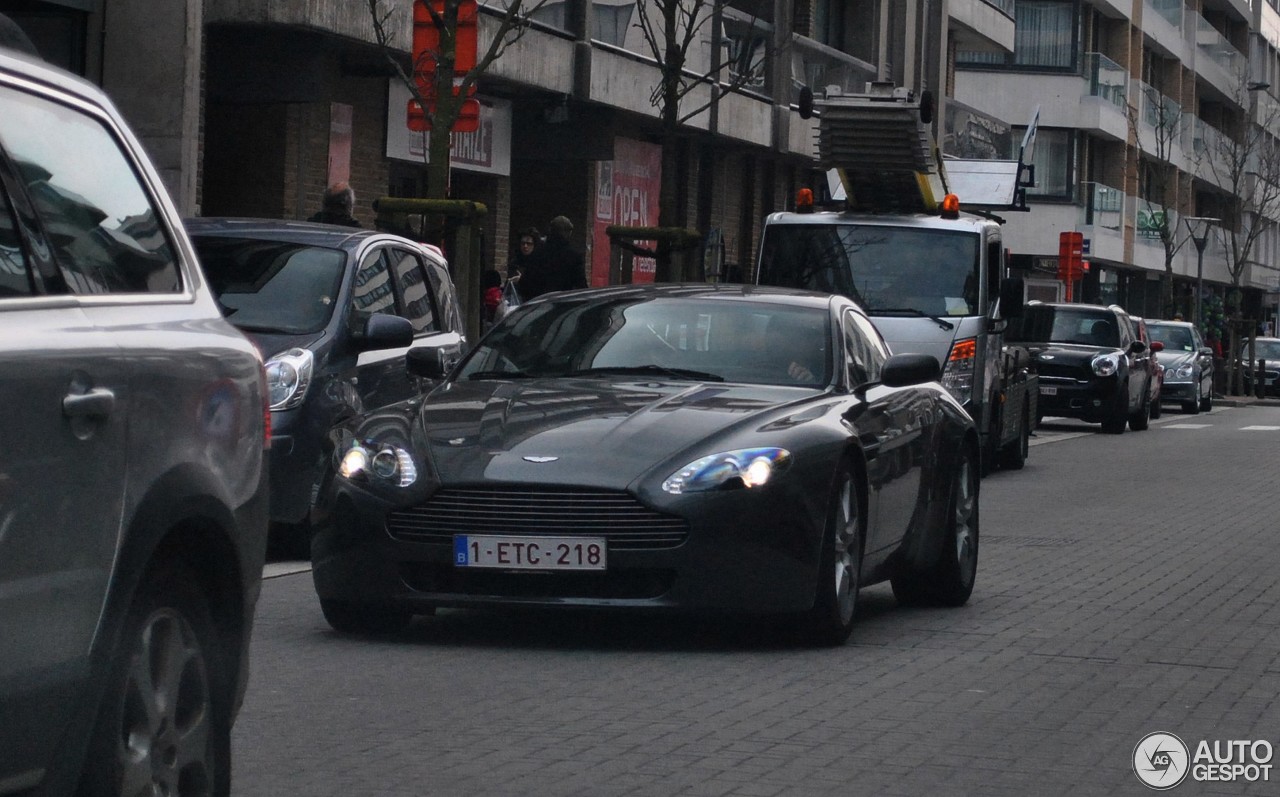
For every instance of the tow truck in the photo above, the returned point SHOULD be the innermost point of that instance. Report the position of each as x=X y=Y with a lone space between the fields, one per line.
x=933 y=279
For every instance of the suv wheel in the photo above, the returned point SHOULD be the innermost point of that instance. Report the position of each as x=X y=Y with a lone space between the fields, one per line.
x=163 y=725
x=1141 y=419
x=1119 y=417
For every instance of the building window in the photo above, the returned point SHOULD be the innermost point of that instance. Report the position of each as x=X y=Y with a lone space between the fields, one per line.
x=1053 y=159
x=610 y=21
x=1044 y=38
x=828 y=23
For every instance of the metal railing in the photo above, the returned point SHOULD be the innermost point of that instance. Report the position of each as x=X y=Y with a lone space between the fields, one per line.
x=1103 y=206
x=1212 y=45
x=1107 y=79
x=1158 y=110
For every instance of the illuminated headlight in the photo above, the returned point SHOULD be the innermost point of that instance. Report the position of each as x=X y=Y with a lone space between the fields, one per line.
x=957 y=376
x=387 y=464
x=745 y=467
x=288 y=376
x=1106 y=364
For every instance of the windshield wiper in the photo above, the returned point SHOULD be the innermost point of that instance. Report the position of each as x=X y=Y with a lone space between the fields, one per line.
x=942 y=322
x=662 y=370
x=500 y=375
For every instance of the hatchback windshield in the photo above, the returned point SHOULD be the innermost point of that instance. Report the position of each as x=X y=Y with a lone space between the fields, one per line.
x=272 y=286
x=888 y=270
x=1173 y=336
x=1080 y=325
x=704 y=340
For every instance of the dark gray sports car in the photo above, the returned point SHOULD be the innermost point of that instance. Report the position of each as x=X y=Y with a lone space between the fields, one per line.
x=686 y=447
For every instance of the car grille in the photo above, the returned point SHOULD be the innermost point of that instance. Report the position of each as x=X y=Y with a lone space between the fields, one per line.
x=1054 y=371
x=626 y=584
x=623 y=521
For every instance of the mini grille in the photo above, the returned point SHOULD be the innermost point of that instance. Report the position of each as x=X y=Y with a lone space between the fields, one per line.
x=622 y=520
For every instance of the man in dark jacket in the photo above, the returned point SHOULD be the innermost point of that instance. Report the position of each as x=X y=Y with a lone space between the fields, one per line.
x=339 y=203
x=555 y=265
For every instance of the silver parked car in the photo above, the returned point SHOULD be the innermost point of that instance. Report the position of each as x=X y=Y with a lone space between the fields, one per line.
x=133 y=479
x=1188 y=365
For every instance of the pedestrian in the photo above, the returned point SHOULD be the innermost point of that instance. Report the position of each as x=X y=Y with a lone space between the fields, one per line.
x=555 y=265
x=339 y=202
x=526 y=244
x=490 y=295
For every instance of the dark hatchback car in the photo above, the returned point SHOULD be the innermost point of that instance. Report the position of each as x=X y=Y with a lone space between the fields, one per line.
x=333 y=310
x=1091 y=366
x=658 y=448
x=133 y=487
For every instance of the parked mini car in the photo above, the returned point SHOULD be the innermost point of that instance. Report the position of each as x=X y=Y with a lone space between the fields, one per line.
x=1151 y=362
x=333 y=310
x=669 y=447
x=133 y=486
x=1090 y=364
x=1188 y=365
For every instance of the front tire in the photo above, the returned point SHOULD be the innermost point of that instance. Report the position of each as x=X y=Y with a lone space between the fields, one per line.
x=365 y=619
x=1140 y=421
x=1191 y=407
x=949 y=582
x=830 y=622
x=164 y=723
x=1014 y=456
x=1206 y=403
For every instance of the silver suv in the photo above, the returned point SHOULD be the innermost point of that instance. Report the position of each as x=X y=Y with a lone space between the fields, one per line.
x=133 y=489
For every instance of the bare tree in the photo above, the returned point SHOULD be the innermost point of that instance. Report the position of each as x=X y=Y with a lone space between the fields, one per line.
x=442 y=105
x=672 y=30
x=1155 y=123
x=1245 y=165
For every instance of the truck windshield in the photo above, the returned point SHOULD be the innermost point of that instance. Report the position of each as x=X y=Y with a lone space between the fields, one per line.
x=888 y=270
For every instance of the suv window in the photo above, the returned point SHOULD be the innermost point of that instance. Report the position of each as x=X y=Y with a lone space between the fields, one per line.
x=102 y=226
x=14 y=279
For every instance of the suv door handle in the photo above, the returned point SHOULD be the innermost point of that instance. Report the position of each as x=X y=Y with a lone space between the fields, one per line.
x=96 y=403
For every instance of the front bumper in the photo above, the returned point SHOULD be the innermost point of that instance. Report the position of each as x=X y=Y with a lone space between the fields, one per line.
x=1180 y=391
x=1091 y=400
x=739 y=553
x=295 y=466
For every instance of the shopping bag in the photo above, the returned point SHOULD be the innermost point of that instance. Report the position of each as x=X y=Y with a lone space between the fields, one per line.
x=509 y=301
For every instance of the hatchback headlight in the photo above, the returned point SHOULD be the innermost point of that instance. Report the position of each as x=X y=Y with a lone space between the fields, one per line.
x=288 y=377
x=1106 y=364
x=744 y=467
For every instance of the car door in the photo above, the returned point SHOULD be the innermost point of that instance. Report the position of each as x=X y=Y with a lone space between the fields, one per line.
x=891 y=427
x=64 y=388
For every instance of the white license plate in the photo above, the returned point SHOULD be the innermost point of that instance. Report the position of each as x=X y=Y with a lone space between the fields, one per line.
x=529 y=553
x=1048 y=390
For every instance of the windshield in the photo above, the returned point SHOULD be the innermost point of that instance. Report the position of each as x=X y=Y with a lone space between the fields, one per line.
x=272 y=286
x=1267 y=349
x=1080 y=325
x=668 y=338
x=888 y=270
x=1174 y=337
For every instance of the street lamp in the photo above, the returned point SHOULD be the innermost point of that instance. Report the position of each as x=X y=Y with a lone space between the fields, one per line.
x=1198 y=227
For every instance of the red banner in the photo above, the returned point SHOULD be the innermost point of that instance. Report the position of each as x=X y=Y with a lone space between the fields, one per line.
x=627 y=190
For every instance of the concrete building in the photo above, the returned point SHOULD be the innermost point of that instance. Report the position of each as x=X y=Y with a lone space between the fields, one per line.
x=1140 y=102
x=250 y=107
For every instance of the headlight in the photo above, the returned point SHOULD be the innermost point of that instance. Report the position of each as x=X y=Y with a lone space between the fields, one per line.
x=386 y=463
x=957 y=376
x=288 y=376
x=745 y=467
x=1106 y=364
x=1183 y=371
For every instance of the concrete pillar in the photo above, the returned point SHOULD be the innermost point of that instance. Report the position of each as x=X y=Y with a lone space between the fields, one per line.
x=151 y=55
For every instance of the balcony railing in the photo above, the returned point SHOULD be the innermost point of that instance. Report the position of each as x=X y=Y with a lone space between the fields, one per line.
x=1207 y=139
x=1004 y=5
x=815 y=65
x=1211 y=44
x=1158 y=110
x=1103 y=206
x=1150 y=219
x=1171 y=10
x=1107 y=79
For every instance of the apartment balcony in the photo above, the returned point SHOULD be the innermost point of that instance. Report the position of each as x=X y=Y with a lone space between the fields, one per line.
x=1162 y=23
x=1217 y=62
x=1212 y=152
x=1102 y=217
x=1161 y=131
x=1093 y=100
x=982 y=25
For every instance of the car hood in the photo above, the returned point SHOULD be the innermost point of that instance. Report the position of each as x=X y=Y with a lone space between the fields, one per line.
x=1066 y=355
x=1173 y=359
x=272 y=343
x=583 y=431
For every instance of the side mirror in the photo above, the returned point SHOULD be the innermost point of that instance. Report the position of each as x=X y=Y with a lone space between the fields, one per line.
x=1157 y=346
x=383 y=331
x=1206 y=351
x=1137 y=347
x=1012 y=291
x=902 y=370
x=428 y=361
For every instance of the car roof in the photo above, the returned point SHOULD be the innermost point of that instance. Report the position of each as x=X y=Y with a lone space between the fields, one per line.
x=726 y=291
x=1187 y=324
x=301 y=232
x=36 y=69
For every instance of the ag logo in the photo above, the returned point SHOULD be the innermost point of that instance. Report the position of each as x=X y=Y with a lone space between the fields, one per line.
x=1160 y=760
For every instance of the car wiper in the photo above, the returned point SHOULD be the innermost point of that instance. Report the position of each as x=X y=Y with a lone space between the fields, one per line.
x=500 y=375
x=942 y=322
x=662 y=370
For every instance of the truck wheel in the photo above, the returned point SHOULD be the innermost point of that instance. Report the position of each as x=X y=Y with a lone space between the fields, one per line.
x=1119 y=418
x=1014 y=455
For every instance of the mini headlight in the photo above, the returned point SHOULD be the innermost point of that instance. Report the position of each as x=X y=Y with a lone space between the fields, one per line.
x=744 y=467
x=1106 y=365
